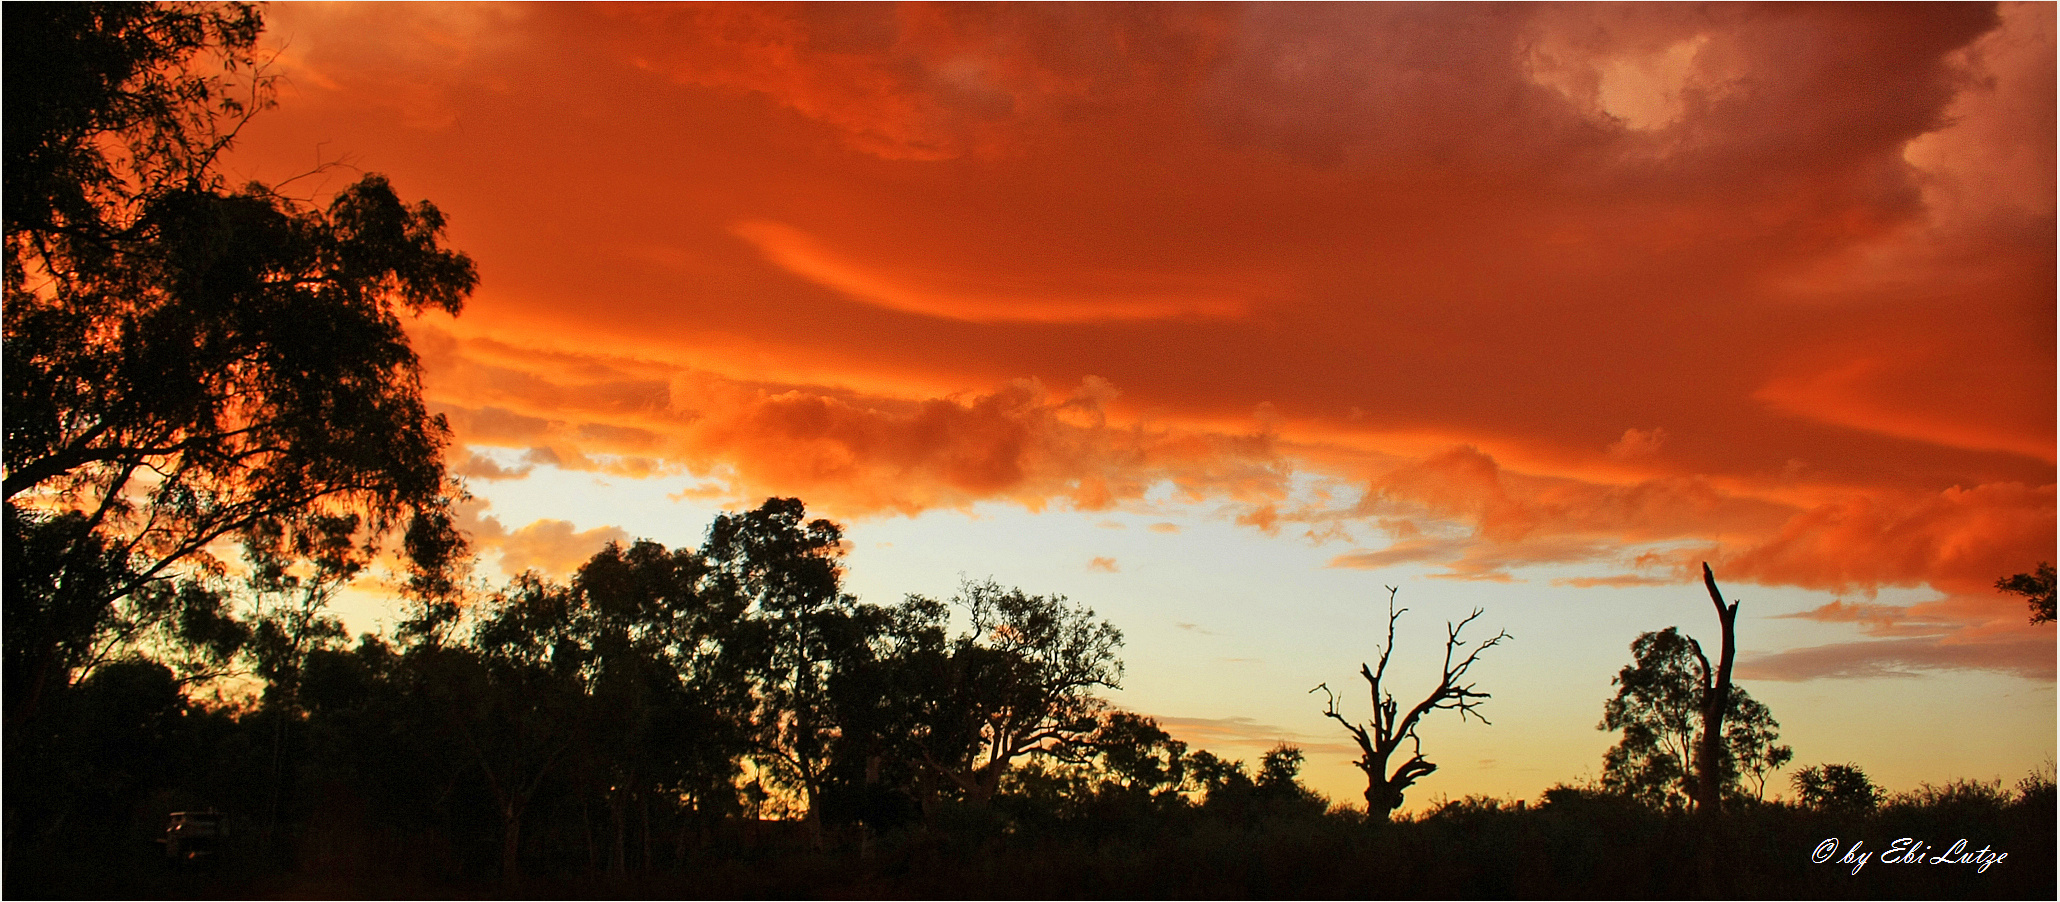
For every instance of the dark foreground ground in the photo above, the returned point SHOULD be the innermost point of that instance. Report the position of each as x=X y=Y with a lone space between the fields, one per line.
x=1576 y=848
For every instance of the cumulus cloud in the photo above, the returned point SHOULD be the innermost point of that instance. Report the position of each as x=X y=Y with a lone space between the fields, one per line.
x=553 y=548
x=849 y=453
x=1104 y=565
x=1466 y=485
x=1959 y=540
x=1461 y=509
x=480 y=466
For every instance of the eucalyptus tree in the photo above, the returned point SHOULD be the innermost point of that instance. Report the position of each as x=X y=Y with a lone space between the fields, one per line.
x=186 y=361
x=796 y=628
x=1021 y=680
x=667 y=708
x=1658 y=709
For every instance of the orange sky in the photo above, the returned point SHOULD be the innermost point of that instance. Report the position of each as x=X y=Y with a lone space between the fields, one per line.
x=1610 y=289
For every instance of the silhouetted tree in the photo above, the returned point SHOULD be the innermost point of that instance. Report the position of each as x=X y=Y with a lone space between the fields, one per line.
x=1749 y=734
x=886 y=698
x=1836 y=787
x=1391 y=726
x=1225 y=789
x=123 y=72
x=1278 y=784
x=666 y=707
x=1210 y=775
x=59 y=573
x=1019 y=681
x=1127 y=771
x=515 y=698
x=185 y=362
x=1138 y=756
x=2037 y=589
x=798 y=628
x=1712 y=759
x=1658 y=706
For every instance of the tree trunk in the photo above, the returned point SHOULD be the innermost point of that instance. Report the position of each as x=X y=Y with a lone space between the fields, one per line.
x=1381 y=796
x=1716 y=700
x=511 y=845
x=986 y=782
x=813 y=819
x=586 y=824
x=644 y=827
x=617 y=866
x=1381 y=800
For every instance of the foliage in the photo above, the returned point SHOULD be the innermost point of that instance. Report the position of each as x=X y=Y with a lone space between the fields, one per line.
x=2037 y=589
x=186 y=362
x=1836 y=787
x=1658 y=708
x=780 y=572
x=119 y=108
x=1751 y=752
x=590 y=737
x=1019 y=681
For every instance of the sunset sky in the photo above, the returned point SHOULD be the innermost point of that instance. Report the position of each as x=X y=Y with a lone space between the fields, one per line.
x=1221 y=318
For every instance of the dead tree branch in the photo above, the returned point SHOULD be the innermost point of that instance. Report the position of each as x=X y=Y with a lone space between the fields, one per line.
x=1716 y=699
x=1382 y=737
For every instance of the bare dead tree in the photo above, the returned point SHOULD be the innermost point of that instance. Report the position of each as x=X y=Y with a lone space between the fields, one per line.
x=1391 y=727
x=1716 y=698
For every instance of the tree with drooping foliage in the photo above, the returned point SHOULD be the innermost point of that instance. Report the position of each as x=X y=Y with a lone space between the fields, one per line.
x=186 y=361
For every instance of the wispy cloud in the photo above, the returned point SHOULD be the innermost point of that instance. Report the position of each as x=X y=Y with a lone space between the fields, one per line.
x=1229 y=735
x=2029 y=656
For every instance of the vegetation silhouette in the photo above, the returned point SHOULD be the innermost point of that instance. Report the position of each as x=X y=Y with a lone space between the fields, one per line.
x=1836 y=787
x=1391 y=726
x=1714 y=705
x=2037 y=589
x=1658 y=708
x=188 y=364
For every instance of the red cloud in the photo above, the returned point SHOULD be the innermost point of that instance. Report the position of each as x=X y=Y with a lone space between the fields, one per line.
x=1959 y=540
x=850 y=454
x=1466 y=256
x=976 y=299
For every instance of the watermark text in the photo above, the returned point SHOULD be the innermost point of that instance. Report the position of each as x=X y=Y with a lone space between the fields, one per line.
x=1905 y=851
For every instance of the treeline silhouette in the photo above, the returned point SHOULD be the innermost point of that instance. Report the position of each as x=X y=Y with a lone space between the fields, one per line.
x=214 y=423
x=725 y=721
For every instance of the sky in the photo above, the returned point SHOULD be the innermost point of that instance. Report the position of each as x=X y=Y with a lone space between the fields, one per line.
x=1223 y=319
